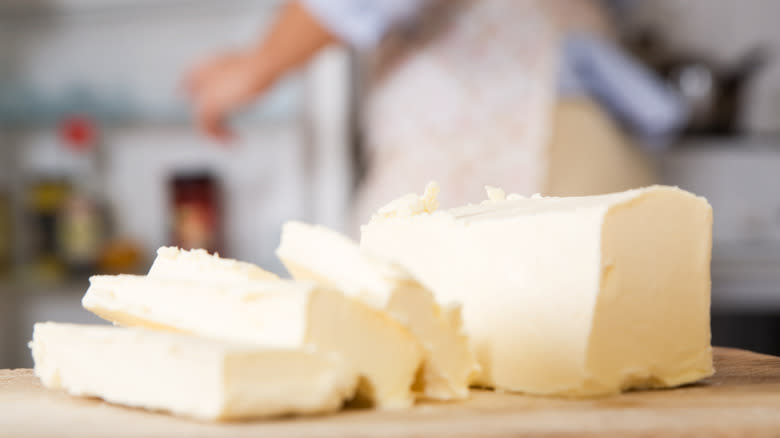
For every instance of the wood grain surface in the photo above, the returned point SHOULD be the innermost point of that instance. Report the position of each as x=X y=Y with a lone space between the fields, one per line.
x=742 y=399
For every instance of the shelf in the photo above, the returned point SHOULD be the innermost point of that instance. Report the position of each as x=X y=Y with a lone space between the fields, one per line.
x=738 y=144
x=22 y=107
x=70 y=287
x=24 y=10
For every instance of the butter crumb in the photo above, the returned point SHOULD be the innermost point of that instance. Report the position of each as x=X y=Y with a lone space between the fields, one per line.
x=412 y=204
x=430 y=197
x=495 y=193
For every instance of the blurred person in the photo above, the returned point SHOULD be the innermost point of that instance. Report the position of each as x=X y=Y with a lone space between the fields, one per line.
x=524 y=94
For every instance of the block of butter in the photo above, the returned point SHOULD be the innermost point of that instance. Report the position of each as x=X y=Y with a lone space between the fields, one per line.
x=316 y=253
x=186 y=375
x=199 y=265
x=277 y=313
x=576 y=296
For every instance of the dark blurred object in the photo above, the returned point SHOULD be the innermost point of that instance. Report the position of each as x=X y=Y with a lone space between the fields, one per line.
x=758 y=332
x=121 y=256
x=46 y=197
x=714 y=92
x=6 y=234
x=197 y=222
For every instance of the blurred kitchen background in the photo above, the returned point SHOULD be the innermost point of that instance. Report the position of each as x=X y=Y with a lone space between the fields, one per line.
x=100 y=163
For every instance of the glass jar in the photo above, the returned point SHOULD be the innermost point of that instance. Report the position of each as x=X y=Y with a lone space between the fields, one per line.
x=196 y=208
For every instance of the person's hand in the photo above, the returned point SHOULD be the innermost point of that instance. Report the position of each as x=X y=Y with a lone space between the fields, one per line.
x=225 y=83
x=222 y=85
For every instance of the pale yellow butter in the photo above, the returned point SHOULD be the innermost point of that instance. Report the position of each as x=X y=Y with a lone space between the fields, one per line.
x=276 y=313
x=569 y=296
x=186 y=375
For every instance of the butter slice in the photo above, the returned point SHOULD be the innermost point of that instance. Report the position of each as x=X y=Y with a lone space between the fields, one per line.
x=199 y=265
x=185 y=375
x=574 y=296
x=278 y=313
x=316 y=253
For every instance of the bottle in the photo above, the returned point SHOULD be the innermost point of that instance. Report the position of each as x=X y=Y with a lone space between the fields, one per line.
x=82 y=220
x=45 y=198
x=196 y=208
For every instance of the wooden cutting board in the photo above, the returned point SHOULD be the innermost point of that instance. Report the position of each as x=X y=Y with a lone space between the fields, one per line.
x=742 y=399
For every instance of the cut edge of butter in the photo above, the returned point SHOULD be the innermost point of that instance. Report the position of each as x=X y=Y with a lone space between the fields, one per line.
x=312 y=252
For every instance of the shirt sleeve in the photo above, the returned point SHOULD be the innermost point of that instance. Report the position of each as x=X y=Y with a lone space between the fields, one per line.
x=361 y=23
x=633 y=93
